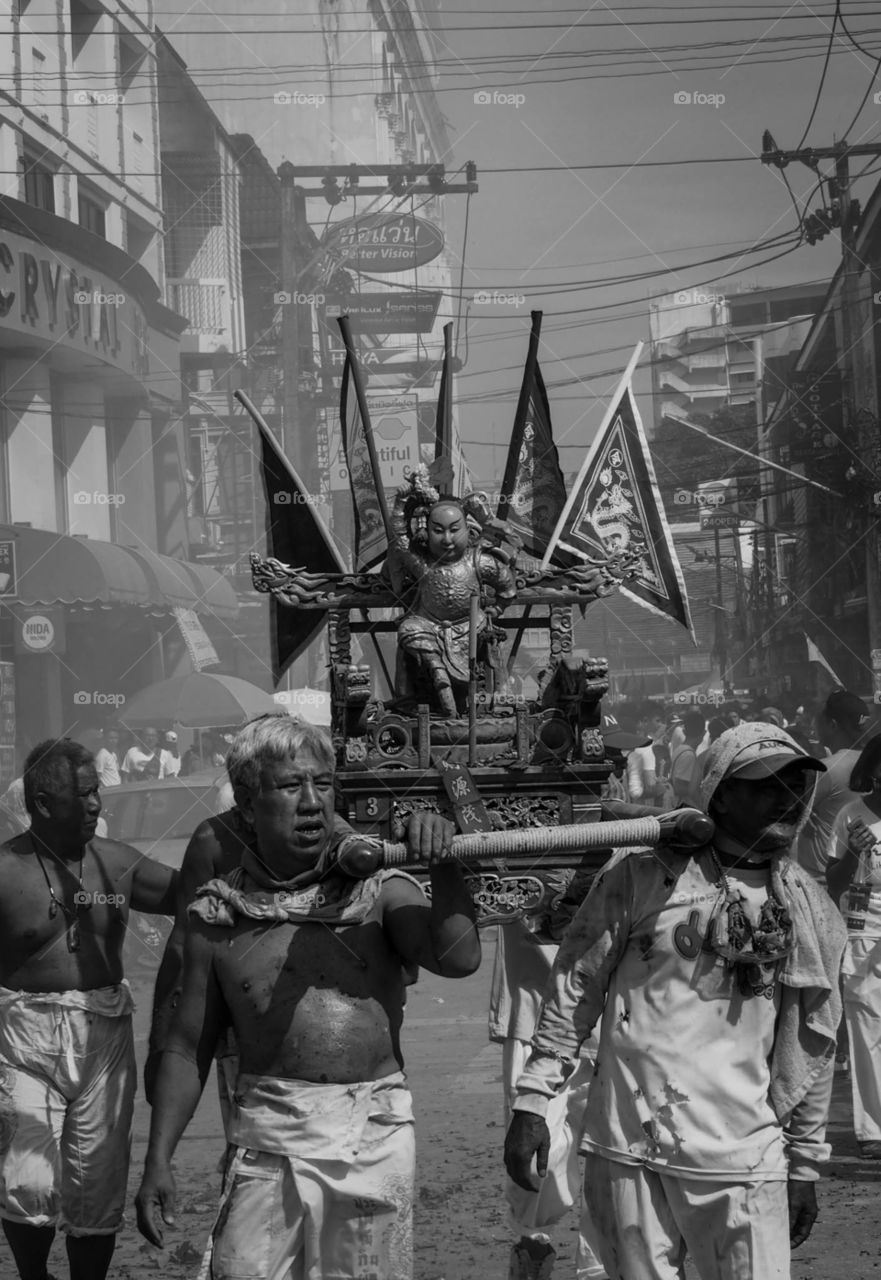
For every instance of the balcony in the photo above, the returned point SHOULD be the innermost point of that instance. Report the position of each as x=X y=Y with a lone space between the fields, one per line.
x=206 y=305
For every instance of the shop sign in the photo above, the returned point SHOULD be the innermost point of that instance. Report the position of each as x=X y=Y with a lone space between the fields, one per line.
x=814 y=411
x=7 y=724
x=384 y=242
x=46 y=293
x=8 y=585
x=201 y=650
x=719 y=519
x=393 y=312
x=395 y=423
x=39 y=631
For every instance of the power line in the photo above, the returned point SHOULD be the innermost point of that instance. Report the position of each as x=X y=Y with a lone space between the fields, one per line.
x=819 y=92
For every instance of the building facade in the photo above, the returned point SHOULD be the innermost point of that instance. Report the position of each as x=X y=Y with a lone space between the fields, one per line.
x=703 y=354
x=826 y=429
x=93 y=523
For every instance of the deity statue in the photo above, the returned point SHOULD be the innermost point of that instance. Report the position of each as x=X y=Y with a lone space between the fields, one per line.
x=447 y=550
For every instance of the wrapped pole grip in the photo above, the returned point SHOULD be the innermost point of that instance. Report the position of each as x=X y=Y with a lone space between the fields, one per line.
x=685 y=828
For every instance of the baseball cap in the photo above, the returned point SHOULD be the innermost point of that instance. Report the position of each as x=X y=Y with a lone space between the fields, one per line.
x=750 y=752
x=619 y=739
x=171 y=736
x=847 y=707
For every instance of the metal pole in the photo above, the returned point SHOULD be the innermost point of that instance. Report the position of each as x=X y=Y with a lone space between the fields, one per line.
x=721 y=617
x=766 y=492
x=739 y=595
x=297 y=448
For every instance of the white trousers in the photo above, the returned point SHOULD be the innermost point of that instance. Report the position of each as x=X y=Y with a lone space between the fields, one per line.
x=532 y=1212
x=647 y=1222
x=861 y=985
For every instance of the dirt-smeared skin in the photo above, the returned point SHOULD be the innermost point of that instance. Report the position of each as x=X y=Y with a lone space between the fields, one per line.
x=313 y=1003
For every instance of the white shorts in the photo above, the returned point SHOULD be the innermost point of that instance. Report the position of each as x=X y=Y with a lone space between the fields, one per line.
x=67 y=1087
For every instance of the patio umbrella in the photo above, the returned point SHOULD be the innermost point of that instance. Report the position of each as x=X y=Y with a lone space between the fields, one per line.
x=197 y=701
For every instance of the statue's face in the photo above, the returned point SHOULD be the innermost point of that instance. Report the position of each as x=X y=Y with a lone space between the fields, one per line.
x=447 y=532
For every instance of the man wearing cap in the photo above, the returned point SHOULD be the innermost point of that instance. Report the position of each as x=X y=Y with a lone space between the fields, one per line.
x=844 y=725
x=716 y=974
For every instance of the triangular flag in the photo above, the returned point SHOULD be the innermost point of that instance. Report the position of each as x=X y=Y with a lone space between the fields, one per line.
x=295 y=535
x=533 y=490
x=814 y=655
x=615 y=506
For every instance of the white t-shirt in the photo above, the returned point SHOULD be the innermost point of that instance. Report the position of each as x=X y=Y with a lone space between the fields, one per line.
x=640 y=766
x=861 y=904
x=107 y=765
x=682 y=1074
x=137 y=761
x=169 y=765
x=816 y=844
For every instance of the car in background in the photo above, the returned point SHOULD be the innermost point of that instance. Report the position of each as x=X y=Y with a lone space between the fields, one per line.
x=158 y=818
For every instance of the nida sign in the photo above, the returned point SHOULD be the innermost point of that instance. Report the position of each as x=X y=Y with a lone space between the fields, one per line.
x=384 y=242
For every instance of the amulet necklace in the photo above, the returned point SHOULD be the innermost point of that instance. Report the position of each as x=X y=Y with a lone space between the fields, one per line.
x=82 y=902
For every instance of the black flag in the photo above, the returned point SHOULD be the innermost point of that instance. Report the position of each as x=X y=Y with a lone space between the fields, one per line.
x=533 y=490
x=295 y=535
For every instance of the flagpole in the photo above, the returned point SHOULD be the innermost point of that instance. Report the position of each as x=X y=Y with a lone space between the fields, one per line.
x=611 y=408
x=765 y=462
x=355 y=370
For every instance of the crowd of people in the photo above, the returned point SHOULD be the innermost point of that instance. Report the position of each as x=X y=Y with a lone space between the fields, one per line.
x=675 y=1022
x=658 y=747
x=153 y=753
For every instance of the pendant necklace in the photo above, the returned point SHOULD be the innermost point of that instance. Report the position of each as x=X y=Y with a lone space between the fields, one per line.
x=82 y=902
x=753 y=950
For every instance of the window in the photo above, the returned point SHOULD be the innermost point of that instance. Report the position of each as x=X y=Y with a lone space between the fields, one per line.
x=39 y=184
x=38 y=77
x=83 y=22
x=131 y=59
x=91 y=215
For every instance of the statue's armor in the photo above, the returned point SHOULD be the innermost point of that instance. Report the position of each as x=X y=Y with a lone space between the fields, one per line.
x=438 y=621
x=445 y=590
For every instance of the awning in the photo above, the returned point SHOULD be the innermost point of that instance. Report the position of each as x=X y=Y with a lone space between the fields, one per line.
x=53 y=568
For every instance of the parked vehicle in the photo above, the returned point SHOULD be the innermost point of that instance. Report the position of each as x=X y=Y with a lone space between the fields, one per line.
x=158 y=818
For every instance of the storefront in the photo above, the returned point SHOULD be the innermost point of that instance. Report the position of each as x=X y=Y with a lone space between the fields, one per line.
x=85 y=624
x=94 y=544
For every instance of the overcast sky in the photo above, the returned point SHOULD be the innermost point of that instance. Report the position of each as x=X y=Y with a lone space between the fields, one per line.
x=594 y=85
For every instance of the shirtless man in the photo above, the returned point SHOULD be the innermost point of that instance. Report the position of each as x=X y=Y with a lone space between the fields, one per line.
x=215 y=849
x=67 y=1063
x=308 y=967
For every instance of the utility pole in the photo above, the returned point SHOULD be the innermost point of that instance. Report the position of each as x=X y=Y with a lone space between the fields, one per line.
x=843 y=211
x=301 y=255
x=298 y=446
x=301 y=259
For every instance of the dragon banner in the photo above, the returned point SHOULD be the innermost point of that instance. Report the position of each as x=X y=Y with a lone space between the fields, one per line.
x=615 y=508
x=533 y=490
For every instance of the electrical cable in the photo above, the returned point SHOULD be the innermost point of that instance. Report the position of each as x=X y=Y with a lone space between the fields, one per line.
x=819 y=92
